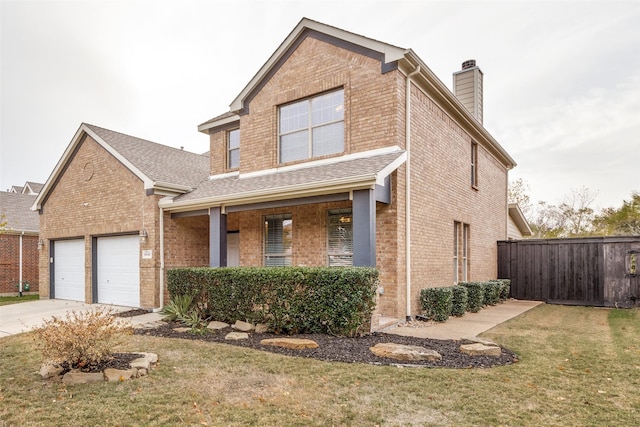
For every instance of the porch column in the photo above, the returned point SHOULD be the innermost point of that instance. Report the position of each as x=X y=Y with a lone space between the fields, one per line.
x=217 y=238
x=364 y=228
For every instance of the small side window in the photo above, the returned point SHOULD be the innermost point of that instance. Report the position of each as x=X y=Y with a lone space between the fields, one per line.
x=233 y=149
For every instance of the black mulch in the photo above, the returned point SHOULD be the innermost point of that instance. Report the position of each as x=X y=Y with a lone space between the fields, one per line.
x=343 y=349
x=117 y=361
x=132 y=313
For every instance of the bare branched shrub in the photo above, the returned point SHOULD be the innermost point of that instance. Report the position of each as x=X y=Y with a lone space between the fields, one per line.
x=81 y=338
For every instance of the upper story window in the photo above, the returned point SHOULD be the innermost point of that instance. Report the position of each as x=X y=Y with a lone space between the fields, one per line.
x=474 y=164
x=313 y=127
x=233 y=149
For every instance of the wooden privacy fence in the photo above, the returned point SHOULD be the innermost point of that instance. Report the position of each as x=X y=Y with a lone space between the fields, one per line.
x=595 y=271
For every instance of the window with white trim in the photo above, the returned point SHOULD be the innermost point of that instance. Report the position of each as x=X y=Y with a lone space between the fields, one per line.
x=474 y=164
x=312 y=127
x=278 y=233
x=233 y=149
x=461 y=261
x=340 y=238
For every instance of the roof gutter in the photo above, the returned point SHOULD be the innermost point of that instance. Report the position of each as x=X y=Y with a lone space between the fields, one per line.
x=407 y=220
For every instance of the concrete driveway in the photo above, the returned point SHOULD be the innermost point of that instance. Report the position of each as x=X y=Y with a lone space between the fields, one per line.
x=23 y=317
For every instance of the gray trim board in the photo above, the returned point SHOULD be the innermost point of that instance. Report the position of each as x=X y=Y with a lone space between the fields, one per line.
x=338 y=197
x=364 y=228
x=217 y=238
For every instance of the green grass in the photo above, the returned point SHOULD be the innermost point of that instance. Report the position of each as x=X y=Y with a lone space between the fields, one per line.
x=578 y=366
x=18 y=299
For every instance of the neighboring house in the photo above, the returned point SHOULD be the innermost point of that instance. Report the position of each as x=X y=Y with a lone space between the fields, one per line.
x=517 y=226
x=18 y=243
x=322 y=160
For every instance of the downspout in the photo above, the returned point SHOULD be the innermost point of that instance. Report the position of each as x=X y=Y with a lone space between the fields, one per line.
x=161 y=261
x=20 y=268
x=407 y=221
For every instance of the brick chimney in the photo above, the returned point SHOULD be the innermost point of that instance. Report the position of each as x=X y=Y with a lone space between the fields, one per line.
x=467 y=86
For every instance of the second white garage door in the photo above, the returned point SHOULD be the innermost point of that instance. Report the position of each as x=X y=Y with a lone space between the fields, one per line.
x=118 y=270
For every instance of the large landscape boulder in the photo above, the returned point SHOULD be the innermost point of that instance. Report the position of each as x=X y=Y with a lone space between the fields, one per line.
x=404 y=352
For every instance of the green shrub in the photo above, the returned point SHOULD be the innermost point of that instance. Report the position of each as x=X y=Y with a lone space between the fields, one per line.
x=337 y=301
x=80 y=339
x=491 y=292
x=505 y=289
x=475 y=293
x=437 y=303
x=178 y=307
x=460 y=301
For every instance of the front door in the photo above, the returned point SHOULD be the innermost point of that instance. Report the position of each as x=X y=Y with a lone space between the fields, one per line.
x=233 y=249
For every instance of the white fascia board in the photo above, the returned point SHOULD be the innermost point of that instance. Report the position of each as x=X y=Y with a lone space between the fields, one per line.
x=391 y=53
x=380 y=177
x=225 y=121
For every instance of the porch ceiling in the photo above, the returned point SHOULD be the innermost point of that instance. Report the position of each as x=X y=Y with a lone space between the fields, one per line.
x=310 y=179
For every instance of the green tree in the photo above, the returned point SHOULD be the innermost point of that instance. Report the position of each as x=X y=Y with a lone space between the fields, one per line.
x=623 y=221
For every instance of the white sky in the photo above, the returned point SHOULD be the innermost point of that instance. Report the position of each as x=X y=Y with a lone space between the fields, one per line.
x=561 y=79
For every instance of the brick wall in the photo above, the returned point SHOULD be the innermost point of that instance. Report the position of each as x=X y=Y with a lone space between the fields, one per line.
x=96 y=196
x=442 y=193
x=10 y=262
x=369 y=104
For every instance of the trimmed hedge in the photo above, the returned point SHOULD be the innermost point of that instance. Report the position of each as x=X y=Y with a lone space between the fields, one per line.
x=437 y=303
x=336 y=301
x=492 y=292
x=475 y=292
x=460 y=301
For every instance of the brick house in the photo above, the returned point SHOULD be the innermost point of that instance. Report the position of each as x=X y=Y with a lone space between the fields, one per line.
x=18 y=241
x=322 y=160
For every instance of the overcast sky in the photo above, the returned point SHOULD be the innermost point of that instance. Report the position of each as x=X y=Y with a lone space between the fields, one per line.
x=561 y=79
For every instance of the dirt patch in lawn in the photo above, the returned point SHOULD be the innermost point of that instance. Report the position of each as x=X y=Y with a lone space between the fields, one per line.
x=343 y=349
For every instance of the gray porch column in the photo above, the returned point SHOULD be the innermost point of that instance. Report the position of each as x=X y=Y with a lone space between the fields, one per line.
x=364 y=228
x=217 y=238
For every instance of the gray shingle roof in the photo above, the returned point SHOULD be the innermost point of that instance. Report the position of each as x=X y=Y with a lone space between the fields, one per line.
x=159 y=162
x=17 y=212
x=282 y=181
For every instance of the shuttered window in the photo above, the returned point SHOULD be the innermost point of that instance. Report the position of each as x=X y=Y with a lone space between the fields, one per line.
x=311 y=128
x=278 y=232
x=340 y=238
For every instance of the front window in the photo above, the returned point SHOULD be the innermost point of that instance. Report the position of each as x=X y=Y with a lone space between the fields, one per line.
x=340 y=239
x=277 y=240
x=233 y=149
x=313 y=127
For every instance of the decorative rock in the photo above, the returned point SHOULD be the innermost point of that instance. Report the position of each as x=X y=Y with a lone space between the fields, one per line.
x=153 y=358
x=481 y=341
x=182 y=330
x=292 y=343
x=261 y=328
x=49 y=371
x=114 y=375
x=217 y=325
x=234 y=336
x=479 y=349
x=243 y=326
x=404 y=352
x=141 y=373
x=145 y=361
x=71 y=378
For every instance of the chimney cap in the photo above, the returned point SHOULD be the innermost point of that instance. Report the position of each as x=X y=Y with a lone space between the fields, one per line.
x=469 y=63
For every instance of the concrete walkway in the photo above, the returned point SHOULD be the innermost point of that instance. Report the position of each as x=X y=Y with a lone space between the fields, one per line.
x=23 y=317
x=469 y=325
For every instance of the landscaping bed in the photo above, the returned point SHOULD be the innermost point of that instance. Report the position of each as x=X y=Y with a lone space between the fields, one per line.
x=344 y=349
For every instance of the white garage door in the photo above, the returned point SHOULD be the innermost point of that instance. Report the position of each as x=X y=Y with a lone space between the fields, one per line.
x=68 y=269
x=119 y=270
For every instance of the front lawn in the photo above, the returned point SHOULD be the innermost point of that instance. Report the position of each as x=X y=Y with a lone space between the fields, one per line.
x=578 y=366
x=18 y=299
